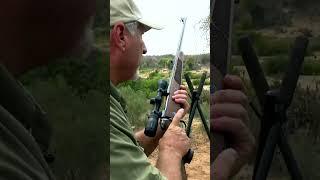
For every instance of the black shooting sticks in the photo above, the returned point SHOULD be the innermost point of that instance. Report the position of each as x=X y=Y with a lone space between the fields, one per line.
x=195 y=97
x=274 y=104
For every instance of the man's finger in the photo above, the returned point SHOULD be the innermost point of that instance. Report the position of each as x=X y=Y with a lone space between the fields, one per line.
x=229 y=96
x=236 y=111
x=183 y=87
x=177 y=117
x=180 y=92
x=180 y=96
x=232 y=82
x=231 y=126
x=181 y=101
x=222 y=167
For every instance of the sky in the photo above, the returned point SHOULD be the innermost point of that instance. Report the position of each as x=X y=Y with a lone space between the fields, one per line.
x=167 y=13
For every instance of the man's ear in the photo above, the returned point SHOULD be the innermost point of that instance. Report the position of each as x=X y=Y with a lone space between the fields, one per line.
x=118 y=36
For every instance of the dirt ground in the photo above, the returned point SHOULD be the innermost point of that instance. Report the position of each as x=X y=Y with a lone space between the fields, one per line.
x=199 y=168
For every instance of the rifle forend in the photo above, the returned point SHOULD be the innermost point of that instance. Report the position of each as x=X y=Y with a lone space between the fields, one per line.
x=176 y=77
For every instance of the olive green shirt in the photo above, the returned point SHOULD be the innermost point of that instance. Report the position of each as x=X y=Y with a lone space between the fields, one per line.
x=20 y=156
x=127 y=158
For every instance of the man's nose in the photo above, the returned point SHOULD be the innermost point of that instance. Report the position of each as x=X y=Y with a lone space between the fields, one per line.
x=144 y=50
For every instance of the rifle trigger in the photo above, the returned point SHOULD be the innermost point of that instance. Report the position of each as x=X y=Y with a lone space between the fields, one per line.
x=184 y=123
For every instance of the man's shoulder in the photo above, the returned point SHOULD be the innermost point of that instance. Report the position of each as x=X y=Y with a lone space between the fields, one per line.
x=19 y=152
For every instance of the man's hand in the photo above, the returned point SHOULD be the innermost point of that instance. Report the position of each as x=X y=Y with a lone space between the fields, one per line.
x=180 y=97
x=149 y=143
x=175 y=139
x=172 y=147
x=229 y=117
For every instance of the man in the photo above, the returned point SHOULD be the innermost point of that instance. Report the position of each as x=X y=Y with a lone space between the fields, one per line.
x=129 y=151
x=229 y=117
x=35 y=33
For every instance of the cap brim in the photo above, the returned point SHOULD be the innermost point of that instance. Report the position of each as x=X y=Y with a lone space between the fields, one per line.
x=150 y=25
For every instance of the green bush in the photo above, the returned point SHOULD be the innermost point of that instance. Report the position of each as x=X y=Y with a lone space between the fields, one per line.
x=205 y=96
x=81 y=74
x=207 y=82
x=137 y=104
x=275 y=65
x=245 y=23
x=311 y=68
x=195 y=82
x=78 y=123
x=205 y=107
x=195 y=75
x=264 y=45
x=154 y=74
x=149 y=86
x=314 y=45
x=278 y=64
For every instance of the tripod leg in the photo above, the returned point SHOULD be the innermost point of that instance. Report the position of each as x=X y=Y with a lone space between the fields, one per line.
x=289 y=158
x=191 y=115
x=267 y=155
x=203 y=119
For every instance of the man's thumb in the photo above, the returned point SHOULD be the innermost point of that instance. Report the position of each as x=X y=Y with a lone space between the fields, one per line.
x=222 y=167
x=177 y=117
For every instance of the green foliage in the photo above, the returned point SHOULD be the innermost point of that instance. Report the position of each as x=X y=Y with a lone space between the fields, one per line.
x=196 y=82
x=278 y=65
x=81 y=75
x=245 y=22
x=275 y=65
x=189 y=64
x=165 y=62
x=207 y=82
x=137 y=104
x=264 y=45
x=311 y=68
x=71 y=91
x=204 y=59
x=78 y=123
x=154 y=74
x=205 y=107
x=314 y=45
x=193 y=75
x=148 y=86
x=205 y=96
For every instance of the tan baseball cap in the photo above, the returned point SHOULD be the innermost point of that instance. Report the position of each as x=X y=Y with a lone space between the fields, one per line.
x=127 y=11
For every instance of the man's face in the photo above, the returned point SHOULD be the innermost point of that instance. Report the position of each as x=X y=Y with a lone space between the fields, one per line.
x=136 y=48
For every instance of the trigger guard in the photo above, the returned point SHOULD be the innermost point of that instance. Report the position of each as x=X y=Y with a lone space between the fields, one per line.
x=184 y=124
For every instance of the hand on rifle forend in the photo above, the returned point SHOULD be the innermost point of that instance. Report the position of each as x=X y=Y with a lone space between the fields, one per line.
x=229 y=117
x=180 y=97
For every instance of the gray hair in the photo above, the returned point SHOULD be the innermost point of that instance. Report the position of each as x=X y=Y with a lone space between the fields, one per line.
x=132 y=27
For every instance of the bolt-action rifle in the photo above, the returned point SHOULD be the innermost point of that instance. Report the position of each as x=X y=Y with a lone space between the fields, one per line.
x=167 y=90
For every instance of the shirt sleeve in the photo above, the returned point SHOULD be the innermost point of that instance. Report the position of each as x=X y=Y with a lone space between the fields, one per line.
x=20 y=157
x=127 y=159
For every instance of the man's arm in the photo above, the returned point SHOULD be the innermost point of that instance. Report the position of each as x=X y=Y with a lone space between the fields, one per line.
x=172 y=147
x=148 y=143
